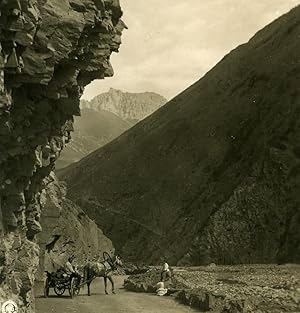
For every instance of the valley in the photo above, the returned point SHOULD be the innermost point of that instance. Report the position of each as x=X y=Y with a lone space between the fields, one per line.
x=116 y=184
x=212 y=175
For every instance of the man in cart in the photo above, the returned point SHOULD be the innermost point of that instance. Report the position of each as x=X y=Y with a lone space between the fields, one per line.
x=71 y=269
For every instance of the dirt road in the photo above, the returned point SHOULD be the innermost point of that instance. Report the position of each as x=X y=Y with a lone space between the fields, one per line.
x=122 y=302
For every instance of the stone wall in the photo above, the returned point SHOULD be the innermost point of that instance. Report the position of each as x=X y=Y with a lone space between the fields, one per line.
x=49 y=50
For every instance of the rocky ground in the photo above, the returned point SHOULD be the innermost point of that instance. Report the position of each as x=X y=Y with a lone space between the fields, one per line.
x=133 y=269
x=244 y=288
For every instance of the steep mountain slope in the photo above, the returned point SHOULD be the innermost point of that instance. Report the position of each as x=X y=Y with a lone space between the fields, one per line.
x=132 y=107
x=214 y=174
x=92 y=130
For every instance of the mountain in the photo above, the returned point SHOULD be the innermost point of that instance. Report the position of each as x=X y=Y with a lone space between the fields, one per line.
x=212 y=176
x=93 y=129
x=131 y=107
x=104 y=118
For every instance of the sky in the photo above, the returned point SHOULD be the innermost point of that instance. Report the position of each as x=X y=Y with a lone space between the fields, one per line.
x=170 y=44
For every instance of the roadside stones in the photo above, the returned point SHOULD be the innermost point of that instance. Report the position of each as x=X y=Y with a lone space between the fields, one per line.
x=253 y=289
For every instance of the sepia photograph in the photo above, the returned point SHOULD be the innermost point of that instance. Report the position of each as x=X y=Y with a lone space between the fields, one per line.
x=149 y=156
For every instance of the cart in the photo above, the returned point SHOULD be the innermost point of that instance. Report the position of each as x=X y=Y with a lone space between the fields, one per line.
x=60 y=282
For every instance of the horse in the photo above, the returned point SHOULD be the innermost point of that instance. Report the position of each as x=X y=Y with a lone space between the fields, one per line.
x=101 y=269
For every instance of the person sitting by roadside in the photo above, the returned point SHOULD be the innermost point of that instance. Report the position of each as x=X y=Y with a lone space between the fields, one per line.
x=160 y=289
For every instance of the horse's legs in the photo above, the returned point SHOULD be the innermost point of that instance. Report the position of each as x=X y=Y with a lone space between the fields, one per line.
x=88 y=286
x=105 y=284
x=112 y=283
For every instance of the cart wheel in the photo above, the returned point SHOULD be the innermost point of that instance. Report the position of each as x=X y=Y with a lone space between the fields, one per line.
x=72 y=287
x=46 y=288
x=59 y=289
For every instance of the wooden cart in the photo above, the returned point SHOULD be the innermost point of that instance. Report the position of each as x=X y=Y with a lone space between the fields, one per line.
x=60 y=282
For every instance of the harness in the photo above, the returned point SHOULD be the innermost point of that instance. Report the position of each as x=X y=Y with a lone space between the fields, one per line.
x=106 y=269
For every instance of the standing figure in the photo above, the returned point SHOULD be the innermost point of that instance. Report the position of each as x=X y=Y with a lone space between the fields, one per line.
x=166 y=273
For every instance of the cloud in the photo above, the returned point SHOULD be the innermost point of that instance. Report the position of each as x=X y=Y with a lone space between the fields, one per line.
x=172 y=43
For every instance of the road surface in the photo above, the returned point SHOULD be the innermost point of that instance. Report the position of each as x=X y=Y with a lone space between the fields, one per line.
x=122 y=302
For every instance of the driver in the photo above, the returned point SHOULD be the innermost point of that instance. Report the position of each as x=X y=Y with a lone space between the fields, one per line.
x=71 y=269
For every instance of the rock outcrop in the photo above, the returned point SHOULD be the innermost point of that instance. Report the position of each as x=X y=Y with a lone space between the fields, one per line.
x=132 y=107
x=49 y=50
x=212 y=176
x=67 y=230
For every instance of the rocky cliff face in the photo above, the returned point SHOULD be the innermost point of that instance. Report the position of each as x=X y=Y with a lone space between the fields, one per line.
x=49 y=50
x=132 y=107
x=213 y=176
x=67 y=230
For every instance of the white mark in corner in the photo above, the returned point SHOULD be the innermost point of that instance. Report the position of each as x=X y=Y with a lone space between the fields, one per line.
x=9 y=307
